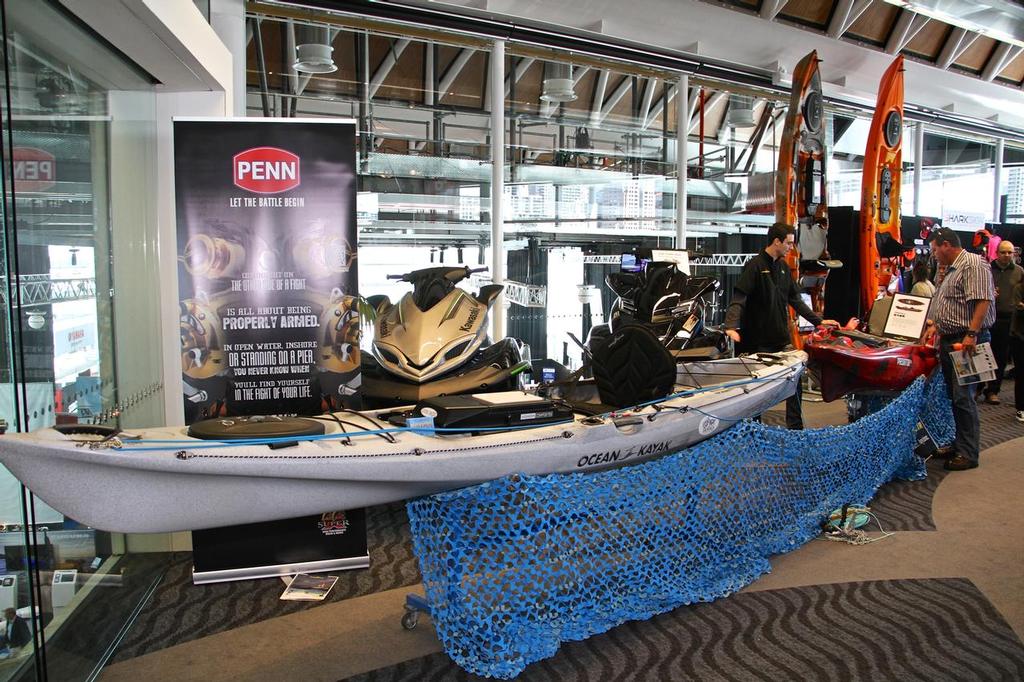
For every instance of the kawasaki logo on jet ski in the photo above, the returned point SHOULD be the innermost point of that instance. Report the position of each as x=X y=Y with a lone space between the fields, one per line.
x=266 y=170
x=474 y=313
x=385 y=328
x=645 y=450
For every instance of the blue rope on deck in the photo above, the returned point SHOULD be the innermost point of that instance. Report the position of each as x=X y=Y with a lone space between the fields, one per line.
x=514 y=567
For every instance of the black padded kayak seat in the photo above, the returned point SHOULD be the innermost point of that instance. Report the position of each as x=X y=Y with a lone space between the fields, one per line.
x=241 y=428
x=632 y=367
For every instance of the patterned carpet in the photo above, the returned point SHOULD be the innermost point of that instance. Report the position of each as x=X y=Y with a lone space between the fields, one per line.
x=180 y=611
x=939 y=629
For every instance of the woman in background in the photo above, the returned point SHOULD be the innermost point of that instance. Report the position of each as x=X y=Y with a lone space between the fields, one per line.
x=922 y=285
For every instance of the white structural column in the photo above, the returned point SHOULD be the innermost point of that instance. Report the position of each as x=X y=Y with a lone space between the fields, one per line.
x=997 y=195
x=918 y=165
x=682 y=131
x=497 y=87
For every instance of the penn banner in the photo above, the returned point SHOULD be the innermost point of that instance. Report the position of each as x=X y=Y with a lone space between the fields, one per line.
x=269 y=321
x=267 y=270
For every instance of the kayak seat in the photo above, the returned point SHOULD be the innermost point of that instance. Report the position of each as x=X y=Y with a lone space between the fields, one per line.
x=632 y=367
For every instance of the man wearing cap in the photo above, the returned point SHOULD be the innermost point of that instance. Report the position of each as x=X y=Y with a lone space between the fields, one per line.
x=1006 y=275
x=963 y=310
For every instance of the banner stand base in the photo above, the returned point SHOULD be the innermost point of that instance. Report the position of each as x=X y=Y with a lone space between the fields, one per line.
x=334 y=541
x=252 y=572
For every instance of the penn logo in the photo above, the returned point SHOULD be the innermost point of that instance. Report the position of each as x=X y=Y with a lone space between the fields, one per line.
x=266 y=170
x=35 y=170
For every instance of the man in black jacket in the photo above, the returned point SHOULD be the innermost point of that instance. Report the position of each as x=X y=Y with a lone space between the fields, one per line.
x=16 y=632
x=758 y=315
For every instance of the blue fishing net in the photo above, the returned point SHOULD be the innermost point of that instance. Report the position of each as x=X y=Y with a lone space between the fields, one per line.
x=516 y=566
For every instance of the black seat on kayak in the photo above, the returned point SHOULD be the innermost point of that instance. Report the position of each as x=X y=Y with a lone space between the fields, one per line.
x=632 y=367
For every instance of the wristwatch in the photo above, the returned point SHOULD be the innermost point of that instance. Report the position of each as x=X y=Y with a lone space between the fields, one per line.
x=970 y=332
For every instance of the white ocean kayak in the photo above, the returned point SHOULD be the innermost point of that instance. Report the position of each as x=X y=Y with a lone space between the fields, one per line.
x=161 y=480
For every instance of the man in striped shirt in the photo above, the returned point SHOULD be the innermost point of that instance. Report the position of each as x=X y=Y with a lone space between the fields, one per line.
x=963 y=309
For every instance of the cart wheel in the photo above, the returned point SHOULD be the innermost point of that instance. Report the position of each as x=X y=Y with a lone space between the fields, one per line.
x=410 y=619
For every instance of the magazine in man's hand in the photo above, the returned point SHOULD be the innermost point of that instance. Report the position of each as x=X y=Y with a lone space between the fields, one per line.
x=974 y=368
x=309 y=587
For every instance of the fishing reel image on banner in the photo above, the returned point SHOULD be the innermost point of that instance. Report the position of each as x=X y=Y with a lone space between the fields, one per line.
x=339 y=359
x=319 y=253
x=198 y=324
x=226 y=252
x=203 y=365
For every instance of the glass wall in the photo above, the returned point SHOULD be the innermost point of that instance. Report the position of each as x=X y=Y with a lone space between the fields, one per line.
x=590 y=161
x=58 y=359
x=424 y=137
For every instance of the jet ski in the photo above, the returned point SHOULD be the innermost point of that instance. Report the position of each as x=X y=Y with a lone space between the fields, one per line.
x=433 y=342
x=233 y=470
x=668 y=302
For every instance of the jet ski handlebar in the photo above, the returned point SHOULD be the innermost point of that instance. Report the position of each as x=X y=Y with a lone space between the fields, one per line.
x=451 y=274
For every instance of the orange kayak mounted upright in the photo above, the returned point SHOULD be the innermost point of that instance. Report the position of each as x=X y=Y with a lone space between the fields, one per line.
x=801 y=195
x=881 y=246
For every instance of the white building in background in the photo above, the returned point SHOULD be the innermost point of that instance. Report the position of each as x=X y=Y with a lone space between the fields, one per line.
x=1015 y=194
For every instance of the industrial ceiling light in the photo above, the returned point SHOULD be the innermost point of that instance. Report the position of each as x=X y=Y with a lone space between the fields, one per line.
x=315 y=54
x=558 y=83
x=741 y=111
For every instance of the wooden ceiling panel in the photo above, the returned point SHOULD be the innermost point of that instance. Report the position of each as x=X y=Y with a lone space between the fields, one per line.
x=584 y=94
x=975 y=57
x=875 y=24
x=714 y=115
x=1014 y=71
x=344 y=80
x=468 y=88
x=810 y=12
x=622 y=112
x=446 y=55
x=929 y=40
x=404 y=82
x=527 y=90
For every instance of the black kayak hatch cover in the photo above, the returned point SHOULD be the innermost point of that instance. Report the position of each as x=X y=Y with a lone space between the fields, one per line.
x=240 y=428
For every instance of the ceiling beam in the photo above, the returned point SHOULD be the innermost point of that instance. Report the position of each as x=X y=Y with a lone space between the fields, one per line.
x=907 y=26
x=1000 y=59
x=645 y=106
x=956 y=44
x=771 y=8
x=522 y=66
x=750 y=150
x=453 y=71
x=429 y=75
x=598 y=98
x=709 y=104
x=396 y=49
x=615 y=98
x=845 y=13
